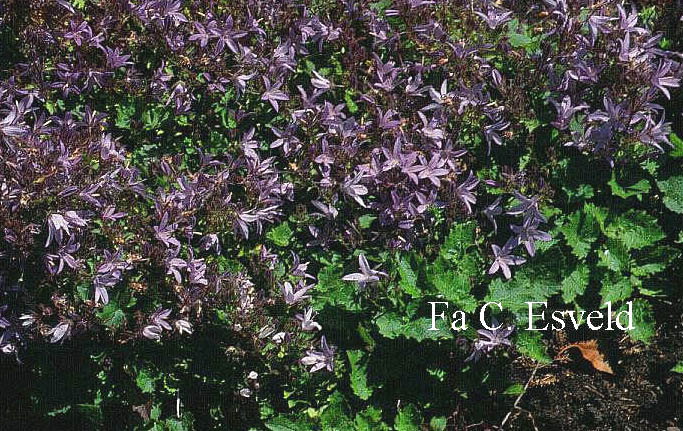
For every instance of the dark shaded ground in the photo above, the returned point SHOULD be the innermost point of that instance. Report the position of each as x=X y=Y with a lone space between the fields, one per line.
x=642 y=395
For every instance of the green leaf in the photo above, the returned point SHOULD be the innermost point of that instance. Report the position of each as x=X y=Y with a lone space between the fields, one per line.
x=575 y=284
x=515 y=389
x=408 y=282
x=614 y=255
x=111 y=315
x=408 y=419
x=530 y=343
x=580 y=230
x=454 y=286
x=438 y=423
x=673 y=193
x=359 y=374
x=280 y=235
x=635 y=229
x=281 y=423
x=643 y=320
x=350 y=104
x=518 y=40
x=145 y=381
x=391 y=325
x=370 y=419
x=652 y=260
x=677 y=142
x=678 y=368
x=366 y=220
x=637 y=189
x=615 y=288
x=332 y=290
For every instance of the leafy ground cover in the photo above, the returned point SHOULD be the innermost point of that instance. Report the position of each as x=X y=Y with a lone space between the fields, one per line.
x=239 y=214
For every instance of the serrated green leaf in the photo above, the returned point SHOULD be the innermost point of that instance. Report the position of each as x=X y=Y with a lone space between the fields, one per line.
x=635 y=229
x=530 y=343
x=518 y=40
x=637 y=189
x=332 y=290
x=575 y=284
x=408 y=281
x=677 y=142
x=652 y=260
x=370 y=419
x=614 y=255
x=643 y=320
x=359 y=374
x=673 y=193
x=408 y=419
x=615 y=288
x=281 y=423
x=145 y=381
x=280 y=235
x=438 y=423
x=366 y=220
x=391 y=325
x=580 y=230
x=454 y=286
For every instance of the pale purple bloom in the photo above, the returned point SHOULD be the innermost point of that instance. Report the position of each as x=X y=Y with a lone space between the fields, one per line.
x=307 y=322
x=57 y=228
x=490 y=339
x=433 y=169
x=503 y=260
x=464 y=191
x=494 y=17
x=292 y=295
x=319 y=359
x=492 y=211
x=565 y=112
x=491 y=133
x=528 y=232
x=661 y=78
x=320 y=82
x=367 y=274
x=273 y=94
x=60 y=332
x=183 y=326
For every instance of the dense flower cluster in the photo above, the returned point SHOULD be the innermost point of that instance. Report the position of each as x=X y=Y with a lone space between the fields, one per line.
x=398 y=130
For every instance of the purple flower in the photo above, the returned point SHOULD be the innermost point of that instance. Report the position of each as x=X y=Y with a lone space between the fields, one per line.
x=503 y=260
x=183 y=326
x=320 y=82
x=433 y=169
x=661 y=79
x=565 y=112
x=57 y=228
x=158 y=323
x=528 y=232
x=526 y=206
x=273 y=93
x=492 y=211
x=494 y=17
x=319 y=359
x=209 y=242
x=367 y=274
x=294 y=296
x=489 y=340
x=353 y=189
x=60 y=332
x=307 y=322
x=464 y=191
x=491 y=133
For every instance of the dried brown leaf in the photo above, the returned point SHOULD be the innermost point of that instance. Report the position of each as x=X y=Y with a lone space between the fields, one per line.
x=589 y=351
